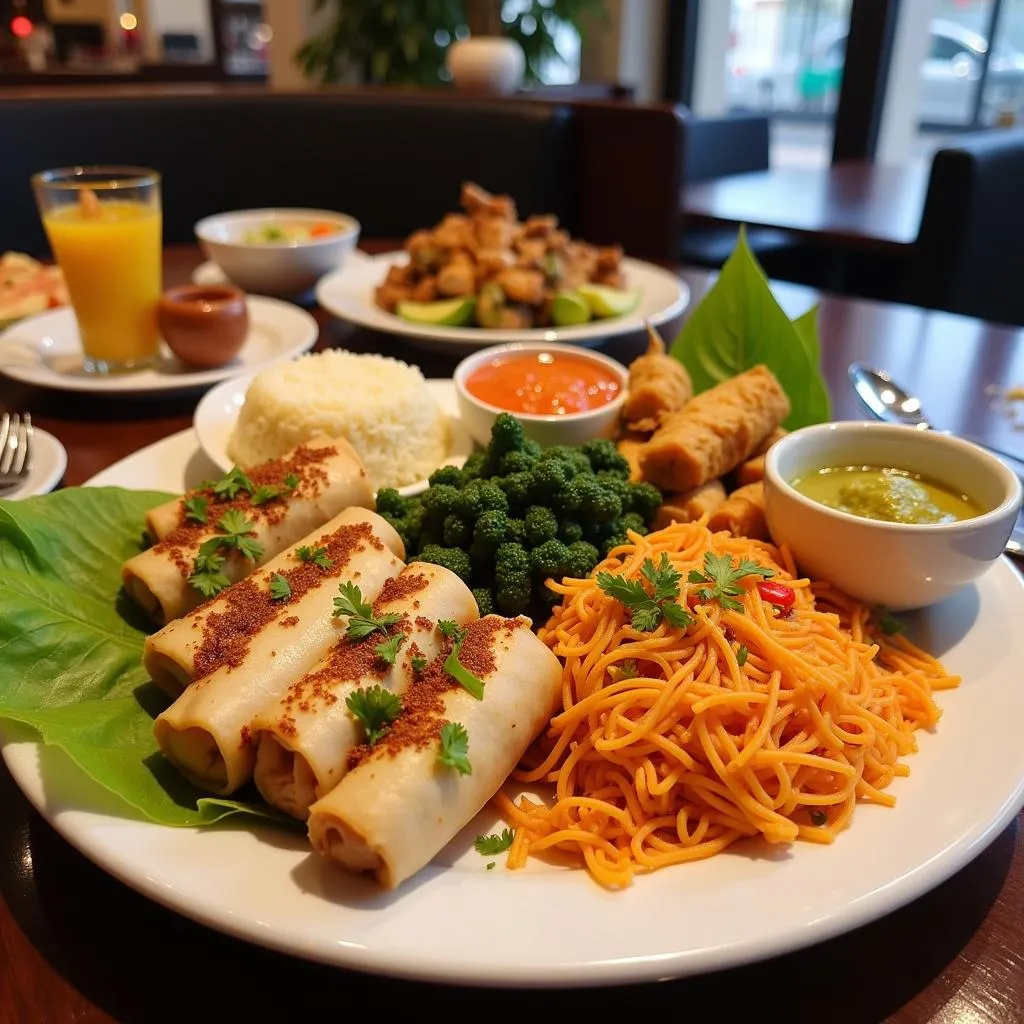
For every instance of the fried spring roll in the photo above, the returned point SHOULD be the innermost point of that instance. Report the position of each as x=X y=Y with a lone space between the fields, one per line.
x=742 y=513
x=259 y=644
x=658 y=385
x=303 y=741
x=330 y=478
x=715 y=431
x=205 y=639
x=399 y=805
x=691 y=506
x=753 y=469
x=631 y=445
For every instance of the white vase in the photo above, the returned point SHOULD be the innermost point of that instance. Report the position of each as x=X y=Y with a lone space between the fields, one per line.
x=491 y=64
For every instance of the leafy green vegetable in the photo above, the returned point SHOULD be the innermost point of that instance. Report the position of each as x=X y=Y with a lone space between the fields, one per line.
x=419 y=663
x=739 y=324
x=361 y=620
x=71 y=649
x=280 y=588
x=720 y=580
x=376 y=707
x=228 y=486
x=195 y=509
x=454 y=752
x=647 y=609
x=387 y=650
x=495 y=843
x=741 y=655
x=318 y=556
x=207 y=575
x=238 y=534
x=269 y=492
x=466 y=679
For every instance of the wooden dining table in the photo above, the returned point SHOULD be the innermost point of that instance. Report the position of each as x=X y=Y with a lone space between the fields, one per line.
x=77 y=945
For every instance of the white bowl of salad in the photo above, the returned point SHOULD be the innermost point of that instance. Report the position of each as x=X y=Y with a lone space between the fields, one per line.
x=277 y=251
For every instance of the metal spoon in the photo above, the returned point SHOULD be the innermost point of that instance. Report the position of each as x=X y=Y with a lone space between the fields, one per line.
x=884 y=398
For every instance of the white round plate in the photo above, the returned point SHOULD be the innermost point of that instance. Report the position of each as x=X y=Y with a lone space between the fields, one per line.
x=217 y=412
x=49 y=460
x=348 y=294
x=46 y=350
x=458 y=922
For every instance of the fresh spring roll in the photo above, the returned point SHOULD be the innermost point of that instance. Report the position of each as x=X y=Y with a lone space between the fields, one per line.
x=258 y=642
x=399 y=804
x=328 y=477
x=303 y=741
x=202 y=641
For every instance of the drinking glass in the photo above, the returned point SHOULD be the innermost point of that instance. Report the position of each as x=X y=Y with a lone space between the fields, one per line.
x=104 y=225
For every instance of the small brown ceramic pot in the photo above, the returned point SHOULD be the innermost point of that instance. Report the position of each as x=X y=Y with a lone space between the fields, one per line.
x=204 y=325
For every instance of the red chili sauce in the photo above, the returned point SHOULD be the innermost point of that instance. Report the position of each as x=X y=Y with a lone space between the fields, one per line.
x=544 y=383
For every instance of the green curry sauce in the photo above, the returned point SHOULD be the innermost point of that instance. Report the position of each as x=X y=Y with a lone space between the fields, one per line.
x=892 y=495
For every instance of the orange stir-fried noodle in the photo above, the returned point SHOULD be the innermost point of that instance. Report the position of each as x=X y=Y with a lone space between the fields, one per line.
x=667 y=749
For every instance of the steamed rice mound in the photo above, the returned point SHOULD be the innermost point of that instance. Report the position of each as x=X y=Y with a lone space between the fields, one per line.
x=382 y=406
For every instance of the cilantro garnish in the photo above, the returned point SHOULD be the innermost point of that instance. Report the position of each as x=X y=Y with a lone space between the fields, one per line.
x=268 y=492
x=627 y=670
x=376 y=707
x=280 y=588
x=648 y=608
x=207 y=575
x=387 y=650
x=318 y=556
x=228 y=486
x=454 y=752
x=720 y=580
x=495 y=843
x=195 y=509
x=418 y=662
x=454 y=632
x=291 y=481
x=361 y=620
x=741 y=656
x=889 y=624
x=238 y=534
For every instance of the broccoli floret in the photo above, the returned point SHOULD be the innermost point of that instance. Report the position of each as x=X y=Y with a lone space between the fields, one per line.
x=473 y=467
x=450 y=475
x=517 y=488
x=541 y=525
x=516 y=462
x=454 y=559
x=644 y=498
x=611 y=540
x=409 y=526
x=440 y=502
x=506 y=435
x=603 y=454
x=633 y=521
x=516 y=531
x=512 y=587
x=550 y=559
x=570 y=531
x=456 y=533
x=391 y=504
x=532 y=447
x=582 y=558
x=575 y=494
x=549 y=478
x=480 y=496
x=602 y=506
x=484 y=598
x=490 y=531
x=611 y=482
x=574 y=459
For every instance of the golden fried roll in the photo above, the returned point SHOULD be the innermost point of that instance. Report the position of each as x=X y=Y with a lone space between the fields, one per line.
x=631 y=444
x=690 y=506
x=303 y=741
x=248 y=650
x=330 y=478
x=658 y=385
x=742 y=513
x=217 y=633
x=753 y=469
x=399 y=805
x=714 y=432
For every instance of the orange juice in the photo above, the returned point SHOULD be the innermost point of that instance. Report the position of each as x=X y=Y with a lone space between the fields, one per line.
x=110 y=256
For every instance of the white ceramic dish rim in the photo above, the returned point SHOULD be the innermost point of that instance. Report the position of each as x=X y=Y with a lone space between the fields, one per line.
x=471 y=362
x=350 y=227
x=1012 y=484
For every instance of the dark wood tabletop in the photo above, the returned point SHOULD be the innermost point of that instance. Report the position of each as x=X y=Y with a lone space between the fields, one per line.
x=852 y=204
x=76 y=945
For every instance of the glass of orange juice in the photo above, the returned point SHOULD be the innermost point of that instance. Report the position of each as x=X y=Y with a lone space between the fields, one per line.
x=104 y=226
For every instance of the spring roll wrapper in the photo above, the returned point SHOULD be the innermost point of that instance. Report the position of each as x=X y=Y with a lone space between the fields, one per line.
x=742 y=513
x=161 y=520
x=691 y=506
x=658 y=385
x=395 y=811
x=304 y=739
x=715 y=431
x=169 y=655
x=753 y=469
x=157 y=578
x=631 y=444
x=205 y=733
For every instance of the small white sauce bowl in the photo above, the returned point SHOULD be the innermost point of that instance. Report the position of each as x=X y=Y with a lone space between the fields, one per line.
x=569 y=429
x=896 y=565
x=276 y=268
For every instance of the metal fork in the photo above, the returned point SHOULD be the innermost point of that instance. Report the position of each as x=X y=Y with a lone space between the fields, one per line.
x=15 y=449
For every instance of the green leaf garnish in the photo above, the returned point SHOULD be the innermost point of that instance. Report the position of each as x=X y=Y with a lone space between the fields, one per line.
x=626 y=670
x=195 y=509
x=495 y=843
x=361 y=622
x=291 y=481
x=889 y=624
x=454 y=752
x=720 y=580
x=207 y=571
x=317 y=556
x=269 y=492
x=238 y=534
x=741 y=656
x=648 y=608
x=449 y=629
x=418 y=662
x=376 y=707
x=280 y=588
x=228 y=486
x=387 y=650
x=739 y=325
x=454 y=632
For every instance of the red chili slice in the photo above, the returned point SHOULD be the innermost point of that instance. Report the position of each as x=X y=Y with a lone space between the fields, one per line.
x=777 y=594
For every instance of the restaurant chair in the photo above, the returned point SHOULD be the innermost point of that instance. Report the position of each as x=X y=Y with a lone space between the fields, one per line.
x=967 y=255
